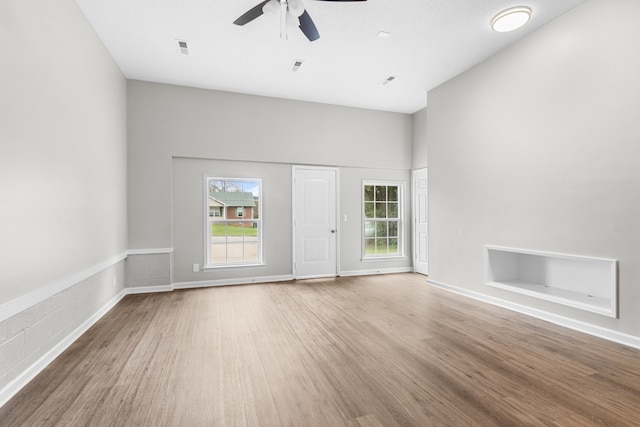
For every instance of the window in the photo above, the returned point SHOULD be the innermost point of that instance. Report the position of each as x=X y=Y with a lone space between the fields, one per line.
x=234 y=222
x=382 y=222
x=215 y=211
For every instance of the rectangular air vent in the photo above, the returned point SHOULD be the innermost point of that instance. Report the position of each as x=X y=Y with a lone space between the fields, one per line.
x=388 y=80
x=183 y=49
x=296 y=65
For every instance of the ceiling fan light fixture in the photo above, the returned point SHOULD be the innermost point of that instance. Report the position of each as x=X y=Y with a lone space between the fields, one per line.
x=271 y=8
x=384 y=34
x=295 y=7
x=292 y=8
x=511 y=19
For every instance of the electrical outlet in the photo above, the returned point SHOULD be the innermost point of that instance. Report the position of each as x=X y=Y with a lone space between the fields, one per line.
x=196 y=268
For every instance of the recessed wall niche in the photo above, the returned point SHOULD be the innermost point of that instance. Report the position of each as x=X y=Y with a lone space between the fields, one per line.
x=587 y=283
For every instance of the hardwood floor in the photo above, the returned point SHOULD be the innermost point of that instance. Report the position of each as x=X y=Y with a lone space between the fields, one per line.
x=368 y=351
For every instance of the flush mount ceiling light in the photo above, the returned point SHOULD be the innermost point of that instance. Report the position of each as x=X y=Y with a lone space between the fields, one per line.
x=511 y=19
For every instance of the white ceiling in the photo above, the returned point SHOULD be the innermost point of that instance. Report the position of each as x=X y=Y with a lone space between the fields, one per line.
x=431 y=41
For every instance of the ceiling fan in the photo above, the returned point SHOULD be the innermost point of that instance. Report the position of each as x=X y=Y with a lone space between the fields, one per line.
x=288 y=9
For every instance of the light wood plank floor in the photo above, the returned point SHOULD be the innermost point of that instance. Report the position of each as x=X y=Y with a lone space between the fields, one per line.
x=368 y=351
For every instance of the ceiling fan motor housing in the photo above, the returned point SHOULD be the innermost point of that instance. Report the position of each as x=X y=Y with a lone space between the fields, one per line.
x=295 y=8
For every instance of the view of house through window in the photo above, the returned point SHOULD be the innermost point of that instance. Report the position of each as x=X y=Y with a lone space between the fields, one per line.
x=234 y=222
x=382 y=219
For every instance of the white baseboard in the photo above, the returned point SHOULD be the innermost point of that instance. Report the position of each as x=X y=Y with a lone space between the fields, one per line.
x=148 y=289
x=13 y=387
x=576 y=325
x=26 y=301
x=226 y=282
x=376 y=271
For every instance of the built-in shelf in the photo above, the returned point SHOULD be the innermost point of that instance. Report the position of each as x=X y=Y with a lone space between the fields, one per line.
x=583 y=282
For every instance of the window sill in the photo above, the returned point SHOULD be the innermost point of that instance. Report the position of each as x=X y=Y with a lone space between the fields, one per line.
x=234 y=266
x=384 y=258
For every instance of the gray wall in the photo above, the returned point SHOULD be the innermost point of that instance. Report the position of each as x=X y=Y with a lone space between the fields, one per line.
x=176 y=134
x=63 y=147
x=538 y=148
x=351 y=231
x=419 y=139
x=188 y=220
x=188 y=216
x=62 y=182
x=148 y=271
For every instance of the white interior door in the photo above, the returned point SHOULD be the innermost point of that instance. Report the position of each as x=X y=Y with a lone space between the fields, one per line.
x=314 y=227
x=421 y=222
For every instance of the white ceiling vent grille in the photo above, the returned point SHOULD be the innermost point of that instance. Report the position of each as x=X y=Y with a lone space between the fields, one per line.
x=183 y=48
x=296 y=65
x=388 y=80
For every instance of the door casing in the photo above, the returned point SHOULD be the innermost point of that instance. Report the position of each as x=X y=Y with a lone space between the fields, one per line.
x=420 y=212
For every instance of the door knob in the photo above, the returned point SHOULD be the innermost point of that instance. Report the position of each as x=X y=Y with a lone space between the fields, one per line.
x=333 y=231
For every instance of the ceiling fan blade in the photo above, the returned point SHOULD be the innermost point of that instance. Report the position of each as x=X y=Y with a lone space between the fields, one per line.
x=308 y=27
x=251 y=14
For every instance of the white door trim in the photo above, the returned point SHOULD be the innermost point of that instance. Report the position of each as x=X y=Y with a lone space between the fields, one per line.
x=414 y=219
x=294 y=169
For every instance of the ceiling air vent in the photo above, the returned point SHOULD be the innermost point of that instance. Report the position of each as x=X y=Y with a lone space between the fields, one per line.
x=388 y=80
x=182 y=47
x=296 y=65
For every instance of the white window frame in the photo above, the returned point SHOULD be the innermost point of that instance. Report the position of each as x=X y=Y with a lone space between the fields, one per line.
x=223 y=219
x=400 y=220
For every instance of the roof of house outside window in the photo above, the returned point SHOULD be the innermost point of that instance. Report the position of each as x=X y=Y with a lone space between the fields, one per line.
x=233 y=198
